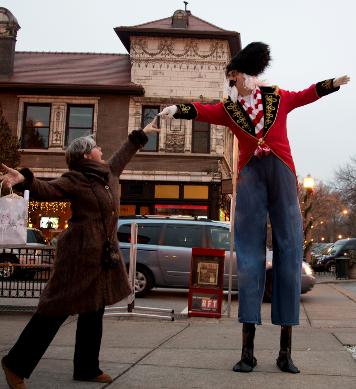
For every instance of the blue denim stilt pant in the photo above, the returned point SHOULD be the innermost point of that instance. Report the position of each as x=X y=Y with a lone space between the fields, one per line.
x=266 y=186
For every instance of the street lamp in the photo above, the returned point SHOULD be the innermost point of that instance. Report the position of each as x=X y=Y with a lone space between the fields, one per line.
x=308 y=184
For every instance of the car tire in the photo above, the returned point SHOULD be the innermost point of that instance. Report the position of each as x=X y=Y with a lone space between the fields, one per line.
x=143 y=282
x=267 y=297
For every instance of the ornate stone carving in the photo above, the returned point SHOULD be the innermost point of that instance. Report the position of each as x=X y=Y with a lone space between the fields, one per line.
x=177 y=49
x=57 y=124
x=174 y=143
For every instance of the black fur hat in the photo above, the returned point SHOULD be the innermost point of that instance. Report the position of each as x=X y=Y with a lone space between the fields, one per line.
x=252 y=60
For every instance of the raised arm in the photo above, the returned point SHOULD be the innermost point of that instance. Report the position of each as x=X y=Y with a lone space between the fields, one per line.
x=209 y=113
x=136 y=140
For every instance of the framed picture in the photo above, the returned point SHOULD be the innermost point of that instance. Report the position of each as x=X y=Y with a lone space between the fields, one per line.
x=208 y=273
x=207 y=268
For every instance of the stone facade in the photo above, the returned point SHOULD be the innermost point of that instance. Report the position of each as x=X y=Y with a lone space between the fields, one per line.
x=174 y=70
x=179 y=68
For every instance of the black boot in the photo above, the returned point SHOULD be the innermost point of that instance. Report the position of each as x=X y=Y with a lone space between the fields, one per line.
x=248 y=361
x=284 y=360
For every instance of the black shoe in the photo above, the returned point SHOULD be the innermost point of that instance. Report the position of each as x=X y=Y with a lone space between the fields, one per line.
x=245 y=365
x=285 y=363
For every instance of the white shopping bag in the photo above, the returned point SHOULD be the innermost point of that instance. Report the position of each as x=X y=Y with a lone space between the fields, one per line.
x=13 y=219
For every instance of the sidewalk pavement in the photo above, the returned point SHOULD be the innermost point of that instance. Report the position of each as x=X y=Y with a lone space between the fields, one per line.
x=200 y=352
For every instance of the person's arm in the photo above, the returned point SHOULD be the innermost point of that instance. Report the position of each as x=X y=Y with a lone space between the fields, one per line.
x=209 y=113
x=53 y=190
x=314 y=92
x=136 y=140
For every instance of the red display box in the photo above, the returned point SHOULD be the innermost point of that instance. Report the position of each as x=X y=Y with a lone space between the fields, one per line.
x=206 y=282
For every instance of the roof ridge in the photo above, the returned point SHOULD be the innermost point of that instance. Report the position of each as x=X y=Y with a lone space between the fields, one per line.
x=211 y=24
x=168 y=17
x=152 y=21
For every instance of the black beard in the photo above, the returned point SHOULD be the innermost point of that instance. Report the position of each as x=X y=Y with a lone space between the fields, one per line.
x=232 y=83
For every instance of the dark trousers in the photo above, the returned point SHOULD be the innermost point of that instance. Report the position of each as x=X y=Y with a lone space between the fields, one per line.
x=38 y=335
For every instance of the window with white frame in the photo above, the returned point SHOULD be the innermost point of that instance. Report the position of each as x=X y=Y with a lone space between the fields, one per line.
x=51 y=122
x=79 y=122
x=36 y=125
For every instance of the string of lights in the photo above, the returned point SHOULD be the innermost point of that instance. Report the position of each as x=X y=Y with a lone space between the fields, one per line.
x=49 y=206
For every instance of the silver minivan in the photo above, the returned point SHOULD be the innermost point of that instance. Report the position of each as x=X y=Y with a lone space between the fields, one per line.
x=164 y=249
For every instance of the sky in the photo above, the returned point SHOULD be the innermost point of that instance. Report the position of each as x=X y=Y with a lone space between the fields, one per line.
x=310 y=41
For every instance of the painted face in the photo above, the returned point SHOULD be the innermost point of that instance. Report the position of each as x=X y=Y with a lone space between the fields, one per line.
x=95 y=154
x=236 y=78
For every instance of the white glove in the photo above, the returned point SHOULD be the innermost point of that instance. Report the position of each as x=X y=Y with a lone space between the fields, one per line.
x=343 y=80
x=168 y=112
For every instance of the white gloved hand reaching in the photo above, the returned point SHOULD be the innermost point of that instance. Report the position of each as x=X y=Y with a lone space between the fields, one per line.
x=168 y=112
x=343 y=80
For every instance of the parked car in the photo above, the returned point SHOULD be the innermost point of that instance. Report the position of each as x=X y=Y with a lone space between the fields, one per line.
x=326 y=261
x=164 y=248
x=30 y=255
x=317 y=251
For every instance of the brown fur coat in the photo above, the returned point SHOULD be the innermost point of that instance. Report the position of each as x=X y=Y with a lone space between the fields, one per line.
x=79 y=283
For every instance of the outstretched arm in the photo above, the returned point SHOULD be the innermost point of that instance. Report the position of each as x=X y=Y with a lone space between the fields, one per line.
x=57 y=189
x=10 y=177
x=209 y=113
x=314 y=92
x=136 y=140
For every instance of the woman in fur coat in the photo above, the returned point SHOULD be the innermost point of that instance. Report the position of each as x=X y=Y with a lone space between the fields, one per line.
x=88 y=270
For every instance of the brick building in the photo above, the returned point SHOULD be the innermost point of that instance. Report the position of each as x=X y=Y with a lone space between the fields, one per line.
x=50 y=98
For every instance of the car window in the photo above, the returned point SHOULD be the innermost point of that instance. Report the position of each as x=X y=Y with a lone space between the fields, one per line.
x=34 y=236
x=220 y=238
x=327 y=249
x=30 y=237
x=183 y=235
x=39 y=237
x=350 y=245
x=146 y=234
x=335 y=248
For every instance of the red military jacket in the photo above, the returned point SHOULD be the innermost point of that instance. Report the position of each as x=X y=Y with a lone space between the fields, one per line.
x=277 y=103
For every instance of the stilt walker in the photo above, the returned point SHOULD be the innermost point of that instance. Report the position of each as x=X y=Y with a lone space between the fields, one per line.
x=266 y=186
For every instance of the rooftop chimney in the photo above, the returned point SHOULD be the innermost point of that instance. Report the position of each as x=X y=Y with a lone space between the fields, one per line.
x=8 y=32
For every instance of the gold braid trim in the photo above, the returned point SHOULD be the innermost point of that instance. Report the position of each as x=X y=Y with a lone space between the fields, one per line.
x=270 y=107
x=238 y=116
x=326 y=87
x=327 y=84
x=184 y=108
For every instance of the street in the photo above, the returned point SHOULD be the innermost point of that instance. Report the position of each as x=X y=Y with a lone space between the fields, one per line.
x=199 y=352
x=326 y=305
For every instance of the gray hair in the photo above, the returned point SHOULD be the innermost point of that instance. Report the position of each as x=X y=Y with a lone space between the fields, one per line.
x=78 y=147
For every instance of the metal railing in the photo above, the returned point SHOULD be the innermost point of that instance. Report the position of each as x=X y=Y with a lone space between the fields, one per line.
x=24 y=270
